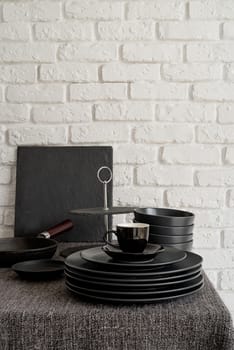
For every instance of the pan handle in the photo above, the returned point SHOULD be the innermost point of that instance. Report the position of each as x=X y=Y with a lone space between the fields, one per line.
x=55 y=230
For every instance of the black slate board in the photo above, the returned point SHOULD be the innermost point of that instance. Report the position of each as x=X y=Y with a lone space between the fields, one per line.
x=53 y=180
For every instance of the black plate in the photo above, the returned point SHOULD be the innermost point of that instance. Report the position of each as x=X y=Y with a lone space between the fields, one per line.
x=149 y=300
x=133 y=279
x=163 y=239
x=97 y=256
x=76 y=263
x=148 y=254
x=136 y=293
x=79 y=281
x=170 y=230
x=164 y=216
x=136 y=297
x=39 y=269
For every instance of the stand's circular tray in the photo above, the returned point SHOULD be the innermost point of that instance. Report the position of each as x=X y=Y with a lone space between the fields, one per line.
x=103 y=211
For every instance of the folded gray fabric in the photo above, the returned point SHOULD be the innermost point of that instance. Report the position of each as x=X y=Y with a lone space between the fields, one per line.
x=44 y=316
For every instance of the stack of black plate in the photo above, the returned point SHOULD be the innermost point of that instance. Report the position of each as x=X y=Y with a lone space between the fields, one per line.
x=126 y=278
x=168 y=226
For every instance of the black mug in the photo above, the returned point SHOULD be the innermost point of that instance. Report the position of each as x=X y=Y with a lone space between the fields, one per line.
x=132 y=237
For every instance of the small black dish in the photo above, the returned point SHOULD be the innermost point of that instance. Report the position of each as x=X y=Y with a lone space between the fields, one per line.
x=148 y=254
x=164 y=216
x=42 y=269
x=163 y=239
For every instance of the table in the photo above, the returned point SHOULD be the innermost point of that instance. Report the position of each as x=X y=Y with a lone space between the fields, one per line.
x=44 y=316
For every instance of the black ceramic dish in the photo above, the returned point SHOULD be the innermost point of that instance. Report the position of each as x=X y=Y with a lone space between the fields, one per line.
x=148 y=254
x=75 y=263
x=133 y=295
x=163 y=239
x=134 y=279
x=164 y=216
x=79 y=281
x=136 y=293
x=96 y=256
x=39 y=269
x=148 y=300
x=170 y=230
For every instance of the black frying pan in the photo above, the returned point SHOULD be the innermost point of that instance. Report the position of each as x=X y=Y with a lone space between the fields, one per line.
x=13 y=250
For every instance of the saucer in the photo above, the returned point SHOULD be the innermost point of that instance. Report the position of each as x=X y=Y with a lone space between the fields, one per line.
x=148 y=254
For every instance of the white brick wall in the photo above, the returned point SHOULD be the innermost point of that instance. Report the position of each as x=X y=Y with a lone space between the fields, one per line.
x=154 y=79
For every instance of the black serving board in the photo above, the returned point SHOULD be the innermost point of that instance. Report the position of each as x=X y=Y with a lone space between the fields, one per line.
x=53 y=180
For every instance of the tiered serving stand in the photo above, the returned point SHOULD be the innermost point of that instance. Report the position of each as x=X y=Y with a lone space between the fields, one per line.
x=105 y=274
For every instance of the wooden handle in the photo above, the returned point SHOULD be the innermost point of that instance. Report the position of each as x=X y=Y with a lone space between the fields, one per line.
x=59 y=228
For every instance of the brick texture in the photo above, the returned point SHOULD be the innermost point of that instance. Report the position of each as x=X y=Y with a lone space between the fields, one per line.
x=154 y=79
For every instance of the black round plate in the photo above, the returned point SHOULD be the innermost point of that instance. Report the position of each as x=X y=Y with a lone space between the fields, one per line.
x=133 y=279
x=148 y=254
x=96 y=256
x=170 y=230
x=149 y=300
x=39 y=269
x=76 y=263
x=133 y=293
x=129 y=298
x=79 y=281
x=164 y=216
x=163 y=239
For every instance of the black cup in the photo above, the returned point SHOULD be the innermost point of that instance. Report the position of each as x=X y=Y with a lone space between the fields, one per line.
x=132 y=237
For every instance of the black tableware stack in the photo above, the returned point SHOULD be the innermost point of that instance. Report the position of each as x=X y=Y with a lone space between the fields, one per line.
x=106 y=274
x=168 y=227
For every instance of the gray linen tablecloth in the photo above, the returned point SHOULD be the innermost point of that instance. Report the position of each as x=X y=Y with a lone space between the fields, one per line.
x=44 y=316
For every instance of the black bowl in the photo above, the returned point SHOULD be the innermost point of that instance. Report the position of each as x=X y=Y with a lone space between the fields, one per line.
x=164 y=216
x=170 y=230
x=163 y=239
x=187 y=246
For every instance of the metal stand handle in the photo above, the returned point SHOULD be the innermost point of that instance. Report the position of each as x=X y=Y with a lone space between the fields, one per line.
x=105 y=182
